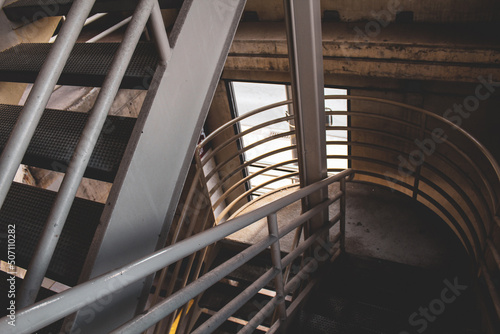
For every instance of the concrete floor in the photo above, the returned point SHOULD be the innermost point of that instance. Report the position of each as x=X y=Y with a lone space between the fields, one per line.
x=379 y=224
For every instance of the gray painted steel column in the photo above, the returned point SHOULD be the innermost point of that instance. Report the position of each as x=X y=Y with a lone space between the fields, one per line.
x=303 y=19
x=148 y=185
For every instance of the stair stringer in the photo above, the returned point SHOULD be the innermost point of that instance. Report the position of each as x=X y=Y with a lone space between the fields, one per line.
x=147 y=187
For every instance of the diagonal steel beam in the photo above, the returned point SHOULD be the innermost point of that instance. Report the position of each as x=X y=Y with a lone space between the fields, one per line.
x=150 y=179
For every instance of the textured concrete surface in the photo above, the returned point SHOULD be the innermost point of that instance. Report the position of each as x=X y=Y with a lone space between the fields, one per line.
x=379 y=224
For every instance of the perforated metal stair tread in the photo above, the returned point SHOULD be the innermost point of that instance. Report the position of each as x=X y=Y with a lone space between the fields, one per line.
x=32 y=9
x=87 y=65
x=27 y=208
x=5 y=301
x=57 y=136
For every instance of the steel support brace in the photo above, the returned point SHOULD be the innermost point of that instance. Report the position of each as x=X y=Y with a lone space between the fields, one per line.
x=303 y=20
x=148 y=184
x=272 y=223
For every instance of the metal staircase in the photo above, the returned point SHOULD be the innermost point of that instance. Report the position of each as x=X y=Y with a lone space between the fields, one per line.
x=108 y=254
x=71 y=240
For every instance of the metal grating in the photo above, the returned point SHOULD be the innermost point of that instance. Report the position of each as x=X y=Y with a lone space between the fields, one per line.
x=57 y=135
x=87 y=65
x=27 y=208
x=31 y=10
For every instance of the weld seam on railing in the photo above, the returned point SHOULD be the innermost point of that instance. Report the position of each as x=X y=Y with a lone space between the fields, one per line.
x=221 y=316
x=170 y=304
x=78 y=164
x=36 y=103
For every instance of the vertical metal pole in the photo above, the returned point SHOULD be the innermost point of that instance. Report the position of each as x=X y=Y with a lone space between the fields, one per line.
x=416 y=181
x=303 y=21
x=342 y=214
x=67 y=192
x=2 y=3
x=29 y=118
x=272 y=223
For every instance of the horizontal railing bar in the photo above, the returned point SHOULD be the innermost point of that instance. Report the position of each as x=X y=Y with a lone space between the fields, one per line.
x=218 y=319
x=303 y=246
x=292 y=285
x=473 y=229
x=240 y=118
x=246 y=163
x=483 y=150
x=455 y=148
x=248 y=178
x=178 y=299
x=54 y=308
x=244 y=133
x=438 y=205
x=110 y=30
x=248 y=192
x=269 y=307
x=437 y=171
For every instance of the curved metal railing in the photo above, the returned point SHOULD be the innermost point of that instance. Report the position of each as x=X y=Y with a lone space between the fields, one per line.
x=405 y=148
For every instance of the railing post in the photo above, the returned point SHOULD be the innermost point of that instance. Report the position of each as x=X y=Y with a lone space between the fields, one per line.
x=272 y=223
x=342 y=214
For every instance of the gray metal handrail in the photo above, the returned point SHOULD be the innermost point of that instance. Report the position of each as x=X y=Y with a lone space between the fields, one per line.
x=473 y=211
x=36 y=103
x=54 y=308
x=78 y=164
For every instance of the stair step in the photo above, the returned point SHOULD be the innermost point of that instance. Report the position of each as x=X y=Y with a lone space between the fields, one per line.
x=252 y=270
x=32 y=9
x=27 y=208
x=5 y=301
x=57 y=135
x=87 y=65
x=216 y=297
